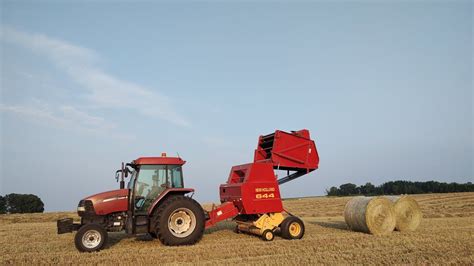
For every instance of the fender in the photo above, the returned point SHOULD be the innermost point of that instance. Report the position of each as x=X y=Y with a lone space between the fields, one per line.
x=168 y=191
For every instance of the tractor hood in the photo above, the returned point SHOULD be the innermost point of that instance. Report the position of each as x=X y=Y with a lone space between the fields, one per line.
x=109 y=202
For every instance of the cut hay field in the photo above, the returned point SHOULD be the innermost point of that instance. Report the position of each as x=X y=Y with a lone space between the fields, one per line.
x=445 y=236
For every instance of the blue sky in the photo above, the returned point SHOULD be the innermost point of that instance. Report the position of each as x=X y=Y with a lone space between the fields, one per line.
x=384 y=88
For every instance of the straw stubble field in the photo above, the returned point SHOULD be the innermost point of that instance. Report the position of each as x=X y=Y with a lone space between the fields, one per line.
x=444 y=236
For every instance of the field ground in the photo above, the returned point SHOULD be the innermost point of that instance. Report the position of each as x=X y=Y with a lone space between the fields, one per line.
x=444 y=236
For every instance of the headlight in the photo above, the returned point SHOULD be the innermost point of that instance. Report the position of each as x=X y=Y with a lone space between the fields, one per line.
x=85 y=207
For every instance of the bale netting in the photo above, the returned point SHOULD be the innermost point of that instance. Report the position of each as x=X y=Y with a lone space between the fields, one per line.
x=407 y=213
x=372 y=215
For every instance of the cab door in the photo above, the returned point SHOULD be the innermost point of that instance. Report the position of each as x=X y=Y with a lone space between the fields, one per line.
x=151 y=181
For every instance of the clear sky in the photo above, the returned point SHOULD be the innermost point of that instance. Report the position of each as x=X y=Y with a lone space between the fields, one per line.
x=386 y=90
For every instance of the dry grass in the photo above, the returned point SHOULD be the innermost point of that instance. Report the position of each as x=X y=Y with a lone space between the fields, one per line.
x=444 y=236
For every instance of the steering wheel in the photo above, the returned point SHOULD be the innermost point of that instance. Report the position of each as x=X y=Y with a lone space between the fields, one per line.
x=139 y=201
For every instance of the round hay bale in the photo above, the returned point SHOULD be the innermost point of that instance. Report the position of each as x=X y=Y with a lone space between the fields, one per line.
x=407 y=213
x=372 y=215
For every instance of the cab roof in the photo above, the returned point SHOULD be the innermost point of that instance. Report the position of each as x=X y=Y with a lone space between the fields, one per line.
x=159 y=160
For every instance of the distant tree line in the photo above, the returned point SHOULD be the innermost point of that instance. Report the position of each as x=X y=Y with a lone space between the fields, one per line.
x=20 y=203
x=399 y=187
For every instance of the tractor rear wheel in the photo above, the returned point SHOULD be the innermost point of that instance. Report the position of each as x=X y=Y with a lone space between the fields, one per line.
x=179 y=220
x=90 y=237
x=292 y=228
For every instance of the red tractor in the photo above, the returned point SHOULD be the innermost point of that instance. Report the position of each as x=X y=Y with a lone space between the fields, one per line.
x=155 y=201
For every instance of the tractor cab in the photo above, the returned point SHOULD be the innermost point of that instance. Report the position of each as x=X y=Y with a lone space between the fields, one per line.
x=152 y=180
x=150 y=177
x=149 y=181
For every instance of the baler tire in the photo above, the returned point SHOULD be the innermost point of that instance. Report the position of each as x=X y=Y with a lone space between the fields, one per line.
x=95 y=231
x=152 y=234
x=268 y=235
x=288 y=223
x=162 y=217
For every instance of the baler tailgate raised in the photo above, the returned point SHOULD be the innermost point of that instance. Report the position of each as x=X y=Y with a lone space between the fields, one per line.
x=293 y=151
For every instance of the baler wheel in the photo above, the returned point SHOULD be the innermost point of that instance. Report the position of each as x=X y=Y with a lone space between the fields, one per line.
x=292 y=228
x=268 y=235
x=179 y=220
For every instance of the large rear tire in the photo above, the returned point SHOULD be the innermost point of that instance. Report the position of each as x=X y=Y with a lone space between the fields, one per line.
x=90 y=238
x=292 y=228
x=179 y=220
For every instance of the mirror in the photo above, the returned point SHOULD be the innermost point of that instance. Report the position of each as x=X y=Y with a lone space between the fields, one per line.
x=117 y=174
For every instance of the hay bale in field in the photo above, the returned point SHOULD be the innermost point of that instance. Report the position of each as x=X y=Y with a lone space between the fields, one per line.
x=372 y=215
x=407 y=213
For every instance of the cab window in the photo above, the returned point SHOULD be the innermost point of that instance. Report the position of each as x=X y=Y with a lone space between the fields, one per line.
x=176 y=176
x=151 y=181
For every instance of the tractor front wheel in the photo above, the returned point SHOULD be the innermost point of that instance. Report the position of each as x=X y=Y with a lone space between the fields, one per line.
x=90 y=237
x=179 y=220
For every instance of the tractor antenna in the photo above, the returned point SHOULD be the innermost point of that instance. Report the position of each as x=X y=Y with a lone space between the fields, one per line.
x=178 y=154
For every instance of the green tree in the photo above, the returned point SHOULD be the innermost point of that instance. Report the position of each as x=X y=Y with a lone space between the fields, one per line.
x=367 y=189
x=348 y=189
x=23 y=203
x=400 y=187
x=333 y=191
x=3 y=205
